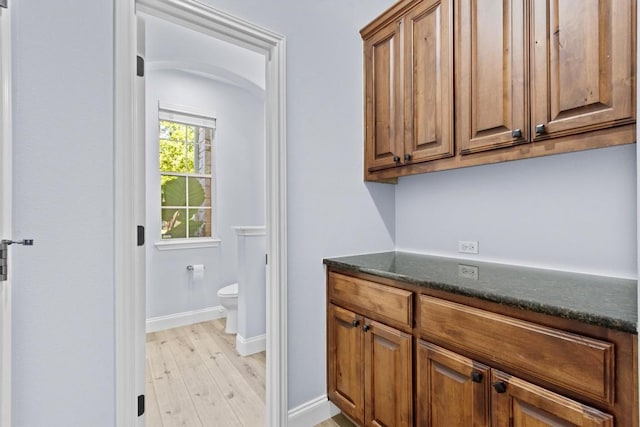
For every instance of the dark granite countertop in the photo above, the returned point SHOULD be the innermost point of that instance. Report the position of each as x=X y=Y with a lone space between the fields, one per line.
x=598 y=300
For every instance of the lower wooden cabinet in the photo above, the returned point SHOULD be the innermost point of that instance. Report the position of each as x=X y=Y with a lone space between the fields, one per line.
x=369 y=369
x=345 y=367
x=517 y=403
x=398 y=357
x=455 y=391
x=451 y=390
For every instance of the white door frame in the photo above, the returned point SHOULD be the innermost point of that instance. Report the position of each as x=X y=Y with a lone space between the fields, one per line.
x=207 y=20
x=5 y=213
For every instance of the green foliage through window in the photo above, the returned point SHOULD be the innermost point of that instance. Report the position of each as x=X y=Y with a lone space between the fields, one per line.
x=185 y=180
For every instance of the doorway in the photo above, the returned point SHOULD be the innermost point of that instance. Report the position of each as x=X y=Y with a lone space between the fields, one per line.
x=129 y=305
x=208 y=96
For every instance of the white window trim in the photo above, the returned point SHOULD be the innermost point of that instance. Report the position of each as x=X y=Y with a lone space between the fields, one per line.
x=189 y=116
x=192 y=243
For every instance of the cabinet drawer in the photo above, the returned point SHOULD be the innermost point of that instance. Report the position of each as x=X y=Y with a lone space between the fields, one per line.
x=570 y=361
x=380 y=302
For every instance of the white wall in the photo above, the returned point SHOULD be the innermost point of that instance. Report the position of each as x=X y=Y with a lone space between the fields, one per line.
x=63 y=286
x=239 y=188
x=573 y=211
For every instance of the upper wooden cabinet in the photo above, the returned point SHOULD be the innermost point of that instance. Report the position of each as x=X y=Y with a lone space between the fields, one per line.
x=409 y=85
x=384 y=137
x=531 y=78
x=580 y=57
x=582 y=63
x=491 y=72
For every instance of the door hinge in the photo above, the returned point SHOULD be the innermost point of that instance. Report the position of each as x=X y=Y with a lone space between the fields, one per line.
x=139 y=65
x=4 y=253
x=266 y=259
x=3 y=3
x=141 y=235
x=140 y=404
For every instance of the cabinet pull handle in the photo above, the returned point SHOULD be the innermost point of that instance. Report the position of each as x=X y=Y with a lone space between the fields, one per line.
x=366 y=327
x=407 y=157
x=540 y=130
x=396 y=159
x=500 y=387
x=476 y=377
x=355 y=323
x=516 y=133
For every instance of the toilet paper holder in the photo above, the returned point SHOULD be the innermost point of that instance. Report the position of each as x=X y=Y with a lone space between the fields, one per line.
x=190 y=267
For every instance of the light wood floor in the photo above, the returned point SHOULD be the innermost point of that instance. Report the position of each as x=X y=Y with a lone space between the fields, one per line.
x=195 y=378
x=337 y=421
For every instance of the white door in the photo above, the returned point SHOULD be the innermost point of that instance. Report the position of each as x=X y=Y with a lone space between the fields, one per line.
x=5 y=216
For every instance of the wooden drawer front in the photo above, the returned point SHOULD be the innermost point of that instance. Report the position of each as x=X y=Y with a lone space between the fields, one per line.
x=380 y=302
x=571 y=361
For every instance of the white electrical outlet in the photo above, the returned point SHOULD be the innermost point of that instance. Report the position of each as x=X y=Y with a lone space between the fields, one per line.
x=468 y=271
x=468 y=246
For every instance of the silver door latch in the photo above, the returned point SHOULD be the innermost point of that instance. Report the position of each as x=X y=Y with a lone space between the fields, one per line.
x=4 y=251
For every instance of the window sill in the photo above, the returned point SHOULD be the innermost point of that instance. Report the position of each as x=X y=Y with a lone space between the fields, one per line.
x=170 y=245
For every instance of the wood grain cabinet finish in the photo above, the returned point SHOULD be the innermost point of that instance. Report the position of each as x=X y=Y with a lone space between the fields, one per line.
x=571 y=361
x=409 y=86
x=491 y=73
x=463 y=362
x=384 y=98
x=525 y=78
x=345 y=367
x=582 y=62
x=517 y=403
x=451 y=390
x=388 y=376
x=387 y=304
x=370 y=364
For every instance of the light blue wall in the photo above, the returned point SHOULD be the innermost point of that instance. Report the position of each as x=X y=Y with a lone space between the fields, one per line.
x=574 y=211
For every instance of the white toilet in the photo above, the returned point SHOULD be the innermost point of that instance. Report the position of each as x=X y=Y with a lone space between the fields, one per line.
x=229 y=300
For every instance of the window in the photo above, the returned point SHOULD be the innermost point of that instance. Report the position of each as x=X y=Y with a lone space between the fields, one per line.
x=186 y=178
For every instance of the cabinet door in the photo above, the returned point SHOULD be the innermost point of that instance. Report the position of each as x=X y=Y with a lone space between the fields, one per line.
x=388 y=384
x=345 y=352
x=491 y=71
x=451 y=389
x=517 y=403
x=428 y=44
x=383 y=99
x=582 y=65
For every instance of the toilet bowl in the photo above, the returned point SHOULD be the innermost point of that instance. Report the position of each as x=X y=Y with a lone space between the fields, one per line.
x=229 y=300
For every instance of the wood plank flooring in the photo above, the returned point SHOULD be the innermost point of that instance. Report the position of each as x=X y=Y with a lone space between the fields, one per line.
x=195 y=378
x=337 y=421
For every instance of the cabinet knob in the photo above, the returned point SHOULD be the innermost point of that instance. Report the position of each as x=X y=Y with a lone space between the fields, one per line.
x=500 y=387
x=476 y=377
x=407 y=157
x=355 y=323
x=516 y=133
x=540 y=130
x=366 y=327
x=396 y=159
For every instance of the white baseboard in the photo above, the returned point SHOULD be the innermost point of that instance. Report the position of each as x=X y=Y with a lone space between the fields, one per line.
x=313 y=412
x=183 y=319
x=247 y=346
